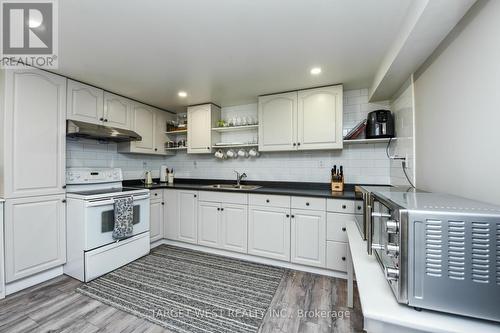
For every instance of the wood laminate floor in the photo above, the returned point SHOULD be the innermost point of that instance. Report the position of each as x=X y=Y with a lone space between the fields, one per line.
x=303 y=303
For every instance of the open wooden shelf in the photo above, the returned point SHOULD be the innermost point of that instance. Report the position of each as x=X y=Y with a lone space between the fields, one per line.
x=177 y=132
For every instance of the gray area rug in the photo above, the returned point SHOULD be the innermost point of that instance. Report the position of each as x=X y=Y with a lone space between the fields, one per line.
x=190 y=291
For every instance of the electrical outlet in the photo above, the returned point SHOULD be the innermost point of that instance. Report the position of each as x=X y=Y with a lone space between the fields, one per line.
x=321 y=164
x=195 y=164
x=144 y=164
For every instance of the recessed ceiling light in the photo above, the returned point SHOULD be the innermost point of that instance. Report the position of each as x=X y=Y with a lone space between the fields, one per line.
x=182 y=94
x=316 y=71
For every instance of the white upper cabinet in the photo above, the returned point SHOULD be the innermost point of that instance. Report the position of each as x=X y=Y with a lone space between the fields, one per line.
x=144 y=125
x=277 y=122
x=117 y=111
x=319 y=118
x=34 y=134
x=201 y=119
x=150 y=123
x=304 y=120
x=85 y=103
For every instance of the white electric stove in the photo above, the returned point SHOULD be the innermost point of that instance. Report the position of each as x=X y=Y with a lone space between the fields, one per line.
x=91 y=249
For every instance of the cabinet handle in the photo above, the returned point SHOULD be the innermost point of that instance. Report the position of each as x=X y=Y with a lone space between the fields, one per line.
x=156 y=194
x=64 y=186
x=267 y=200
x=298 y=143
x=195 y=195
x=293 y=216
x=294 y=144
x=343 y=258
x=156 y=149
x=208 y=148
x=307 y=203
x=101 y=119
x=359 y=207
x=162 y=203
x=344 y=206
x=218 y=208
x=222 y=209
x=343 y=229
x=63 y=200
x=287 y=215
x=105 y=120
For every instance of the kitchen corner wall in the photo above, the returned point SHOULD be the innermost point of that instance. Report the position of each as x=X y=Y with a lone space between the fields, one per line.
x=403 y=110
x=363 y=163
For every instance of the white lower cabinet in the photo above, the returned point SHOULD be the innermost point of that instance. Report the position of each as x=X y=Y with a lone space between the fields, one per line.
x=156 y=221
x=209 y=224
x=222 y=225
x=180 y=215
x=35 y=235
x=269 y=232
x=308 y=237
x=234 y=221
x=336 y=256
x=170 y=215
x=294 y=229
x=187 y=220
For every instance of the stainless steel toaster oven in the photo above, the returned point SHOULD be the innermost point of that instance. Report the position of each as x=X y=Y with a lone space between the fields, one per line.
x=439 y=252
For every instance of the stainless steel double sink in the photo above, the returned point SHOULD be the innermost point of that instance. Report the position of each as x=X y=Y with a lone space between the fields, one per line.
x=233 y=187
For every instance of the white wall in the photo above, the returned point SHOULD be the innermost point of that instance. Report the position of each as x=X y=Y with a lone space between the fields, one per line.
x=362 y=163
x=457 y=109
x=402 y=108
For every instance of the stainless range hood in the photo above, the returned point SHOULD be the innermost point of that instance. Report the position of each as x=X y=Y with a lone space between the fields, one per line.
x=80 y=129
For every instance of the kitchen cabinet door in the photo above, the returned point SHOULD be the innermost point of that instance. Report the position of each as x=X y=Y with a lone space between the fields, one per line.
x=308 y=237
x=143 y=124
x=34 y=157
x=209 y=224
x=319 y=123
x=201 y=119
x=156 y=221
x=161 y=118
x=171 y=214
x=85 y=103
x=35 y=235
x=278 y=122
x=269 y=232
x=188 y=216
x=234 y=227
x=117 y=111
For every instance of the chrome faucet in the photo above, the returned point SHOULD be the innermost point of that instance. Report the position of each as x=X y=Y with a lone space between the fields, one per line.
x=239 y=177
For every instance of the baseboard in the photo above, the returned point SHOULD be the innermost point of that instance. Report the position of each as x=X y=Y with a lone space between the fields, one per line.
x=260 y=260
x=30 y=281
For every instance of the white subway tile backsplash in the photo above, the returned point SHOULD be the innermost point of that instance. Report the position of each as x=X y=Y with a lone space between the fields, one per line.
x=362 y=163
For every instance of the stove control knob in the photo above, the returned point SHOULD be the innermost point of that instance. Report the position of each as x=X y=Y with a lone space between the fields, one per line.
x=392 y=226
x=391 y=273
x=392 y=250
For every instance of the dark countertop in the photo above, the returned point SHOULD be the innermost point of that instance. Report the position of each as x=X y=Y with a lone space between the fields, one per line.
x=320 y=190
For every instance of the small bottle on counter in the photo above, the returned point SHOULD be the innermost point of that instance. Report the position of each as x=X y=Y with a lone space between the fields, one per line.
x=170 y=176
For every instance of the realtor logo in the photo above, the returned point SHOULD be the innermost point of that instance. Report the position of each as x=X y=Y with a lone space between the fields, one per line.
x=28 y=33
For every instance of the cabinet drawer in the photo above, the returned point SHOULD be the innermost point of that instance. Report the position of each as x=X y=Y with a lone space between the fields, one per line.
x=335 y=226
x=226 y=197
x=269 y=200
x=336 y=256
x=344 y=206
x=309 y=203
x=156 y=195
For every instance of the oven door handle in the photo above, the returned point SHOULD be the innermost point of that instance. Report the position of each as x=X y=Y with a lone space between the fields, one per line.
x=98 y=203
x=369 y=221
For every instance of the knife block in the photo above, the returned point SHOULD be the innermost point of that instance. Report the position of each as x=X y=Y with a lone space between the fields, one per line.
x=338 y=185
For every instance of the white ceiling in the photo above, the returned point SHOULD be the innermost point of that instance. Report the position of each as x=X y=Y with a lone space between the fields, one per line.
x=224 y=51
